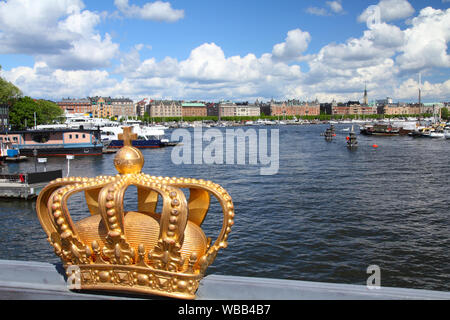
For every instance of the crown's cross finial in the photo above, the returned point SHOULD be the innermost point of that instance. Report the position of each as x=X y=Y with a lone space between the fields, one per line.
x=127 y=136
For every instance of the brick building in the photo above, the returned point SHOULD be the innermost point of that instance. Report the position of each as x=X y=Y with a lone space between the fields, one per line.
x=288 y=109
x=194 y=109
x=75 y=105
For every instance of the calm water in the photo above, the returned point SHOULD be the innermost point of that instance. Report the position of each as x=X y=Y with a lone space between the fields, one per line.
x=326 y=216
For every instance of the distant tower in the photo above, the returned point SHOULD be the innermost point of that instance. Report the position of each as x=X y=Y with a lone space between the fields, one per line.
x=366 y=101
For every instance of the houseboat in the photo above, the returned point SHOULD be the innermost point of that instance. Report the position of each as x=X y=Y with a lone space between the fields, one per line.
x=55 y=142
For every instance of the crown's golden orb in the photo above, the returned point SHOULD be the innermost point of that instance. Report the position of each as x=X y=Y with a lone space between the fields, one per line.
x=128 y=159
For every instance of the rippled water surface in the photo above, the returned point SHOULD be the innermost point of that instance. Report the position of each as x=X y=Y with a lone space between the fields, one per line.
x=326 y=216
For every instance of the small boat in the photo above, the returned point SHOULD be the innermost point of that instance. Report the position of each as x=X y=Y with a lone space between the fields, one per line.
x=351 y=140
x=329 y=133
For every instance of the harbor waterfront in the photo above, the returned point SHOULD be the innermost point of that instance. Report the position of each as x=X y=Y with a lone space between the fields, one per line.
x=326 y=216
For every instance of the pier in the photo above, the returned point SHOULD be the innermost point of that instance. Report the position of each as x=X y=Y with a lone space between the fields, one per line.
x=25 y=185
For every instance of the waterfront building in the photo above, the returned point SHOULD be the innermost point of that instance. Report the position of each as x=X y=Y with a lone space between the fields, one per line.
x=194 y=109
x=123 y=107
x=395 y=109
x=101 y=107
x=106 y=107
x=409 y=109
x=294 y=108
x=326 y=108
x=433 y=108
x=248 y=110
x=4 y=117
x=140 y=107
x=227 y=109
x=212 y=109
x=165 y=108
x=77 y=106
x=353 y=108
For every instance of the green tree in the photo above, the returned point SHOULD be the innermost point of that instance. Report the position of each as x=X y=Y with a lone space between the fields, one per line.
x=48 y=112
x=21 y=114
x=8 y=91
x=444 y=113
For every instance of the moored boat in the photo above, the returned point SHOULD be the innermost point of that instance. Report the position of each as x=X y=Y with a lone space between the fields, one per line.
x=147 y=137
x=380 y=129
x=447 y=133
x=58 y=142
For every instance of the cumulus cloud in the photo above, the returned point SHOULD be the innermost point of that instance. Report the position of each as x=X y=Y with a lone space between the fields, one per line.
x=436 y=91
x=292 y=48
x=389 y=10
x=426 y=41
x=58 y=32
x=157 y=11
x=41 y=81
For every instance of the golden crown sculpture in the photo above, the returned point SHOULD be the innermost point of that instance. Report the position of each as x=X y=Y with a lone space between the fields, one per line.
x=163 y=253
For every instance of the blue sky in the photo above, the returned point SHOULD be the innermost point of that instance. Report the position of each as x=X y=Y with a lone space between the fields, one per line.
x=237 y=50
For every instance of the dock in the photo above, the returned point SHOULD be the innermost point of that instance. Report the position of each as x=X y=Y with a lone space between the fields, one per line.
x=26 y=185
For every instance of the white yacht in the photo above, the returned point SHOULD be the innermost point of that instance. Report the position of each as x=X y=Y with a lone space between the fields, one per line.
x=447 y=133
x=148 y=137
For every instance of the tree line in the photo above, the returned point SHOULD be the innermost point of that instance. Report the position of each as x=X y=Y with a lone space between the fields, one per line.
x=25 y=111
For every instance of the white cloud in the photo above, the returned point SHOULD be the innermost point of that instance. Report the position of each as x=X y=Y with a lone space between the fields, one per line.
x=408 y=90
x=157 y=11
x=58 y=32
x=317 y=11
x=389 y=10
x=295 y=44
x=426 y=41
x=335 y=6
x=384 y=56
x=41 y=81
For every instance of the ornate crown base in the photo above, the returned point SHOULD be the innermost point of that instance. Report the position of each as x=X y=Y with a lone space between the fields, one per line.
x=135 y=279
